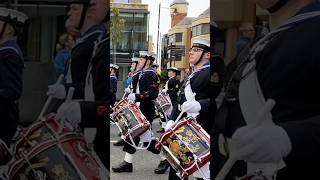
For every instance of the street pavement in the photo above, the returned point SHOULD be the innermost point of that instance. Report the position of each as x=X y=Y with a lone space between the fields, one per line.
x=144 y=162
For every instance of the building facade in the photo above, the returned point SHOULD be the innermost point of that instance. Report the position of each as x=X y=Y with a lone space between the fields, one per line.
x=178 y=41
x=229 y=15
x=134 y=37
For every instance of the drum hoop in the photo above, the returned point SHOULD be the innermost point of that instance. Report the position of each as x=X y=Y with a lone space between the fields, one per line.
x=142 y=121
x=128 y=134
x=37 y=125
x=197 y=129
x=39 y=149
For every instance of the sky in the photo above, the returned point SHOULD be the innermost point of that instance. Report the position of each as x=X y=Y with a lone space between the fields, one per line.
x=195 y=8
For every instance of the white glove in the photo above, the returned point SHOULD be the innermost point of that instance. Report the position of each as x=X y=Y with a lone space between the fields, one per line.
x=127 y=90
x=169 y=125
x=191 y=106
x=71 y=112
x=164 y=91
x=263 y=144
x=132 y=97
x=57 y=91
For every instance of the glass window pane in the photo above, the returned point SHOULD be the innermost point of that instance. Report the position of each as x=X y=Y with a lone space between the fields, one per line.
x=178 y=37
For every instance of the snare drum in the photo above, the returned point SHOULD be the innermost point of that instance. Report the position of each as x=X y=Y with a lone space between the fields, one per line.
x=186 y=145
x=50 y=150
x=130 y=120
x=163 y=103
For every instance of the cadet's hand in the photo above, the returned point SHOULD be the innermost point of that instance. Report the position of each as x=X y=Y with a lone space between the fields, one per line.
x=132 y=97
x=169 y=125
x=127 y=90
x=191 y=106
x=262 y=144
x=164 y=91
x=57 y=91
x=70 y=111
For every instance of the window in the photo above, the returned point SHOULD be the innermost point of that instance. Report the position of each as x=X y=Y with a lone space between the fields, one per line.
x=178 y=37
x=172 y=39
x=205 y=28
x=196 y=30
x=201 y=29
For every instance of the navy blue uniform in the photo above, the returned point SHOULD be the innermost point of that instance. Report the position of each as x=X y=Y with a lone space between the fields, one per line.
x=80 y=58
x=113 y=88
x=11 y=67
x=94 y=114
x=148 y=82
x=173 y=88
x=200 y=84
x=288 y=71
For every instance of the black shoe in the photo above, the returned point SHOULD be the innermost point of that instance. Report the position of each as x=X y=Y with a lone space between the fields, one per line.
x=152 y=147
x=162 y=167
x=119 y=143
x=123 y=167
x=161 y=130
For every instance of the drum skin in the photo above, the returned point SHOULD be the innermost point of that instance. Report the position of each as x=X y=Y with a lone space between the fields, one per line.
x=188 y=143
x=51 y=151
x=130 y=120
x=163 y=103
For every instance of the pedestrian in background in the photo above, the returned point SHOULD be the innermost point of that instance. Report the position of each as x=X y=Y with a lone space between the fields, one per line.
x=247 y=32
x=63 y=50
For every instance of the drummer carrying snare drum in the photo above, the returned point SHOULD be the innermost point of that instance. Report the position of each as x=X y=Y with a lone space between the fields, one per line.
x=144 y=94
x=194 y=97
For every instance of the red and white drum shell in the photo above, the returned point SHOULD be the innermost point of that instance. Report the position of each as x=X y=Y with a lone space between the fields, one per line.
x=130 y=120
x=163 y=103
x=186 y=145
x=49 y=150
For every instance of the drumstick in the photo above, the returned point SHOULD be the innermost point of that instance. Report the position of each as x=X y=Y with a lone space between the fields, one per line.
x=49 y=99
x=233 y=157
x=178 y=118
x=69 y=95
x=68 y=100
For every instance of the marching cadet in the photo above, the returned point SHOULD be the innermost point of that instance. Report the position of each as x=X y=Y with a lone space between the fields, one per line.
x=135 y=77
x=90 y=29
x=194 y=95
x=11 y=67
x=113 y=82
x=92 y=112
x=171 y=87
x=271 y=110
x=146 y=90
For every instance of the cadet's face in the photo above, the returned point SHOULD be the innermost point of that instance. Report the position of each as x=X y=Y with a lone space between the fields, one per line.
x=195 y=54
x=141 y=62
x=74 y=14
x=98 y=10
x=265 y=4
x=170 y=73
x=133 y=66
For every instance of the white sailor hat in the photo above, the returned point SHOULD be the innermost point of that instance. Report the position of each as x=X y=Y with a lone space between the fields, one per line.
x=201 y=43
x=12 y=16
x=134 y=60
x=114 y=66
x=143 y=54
x=173 y=69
